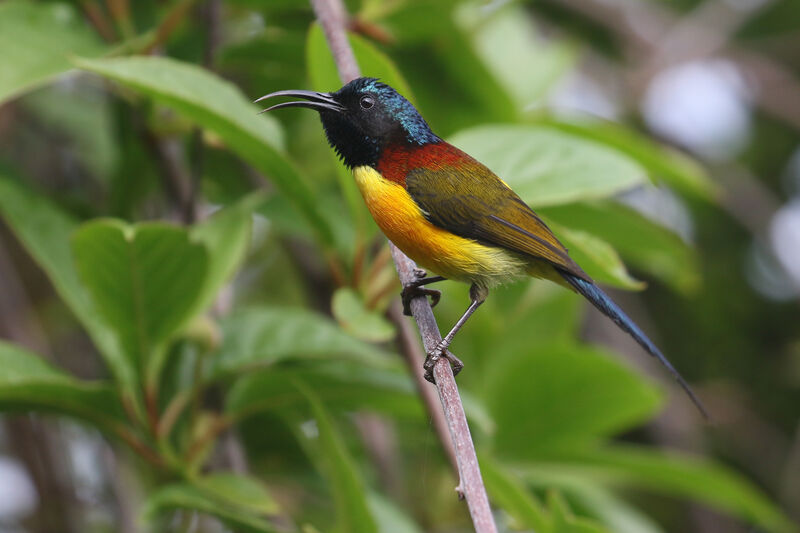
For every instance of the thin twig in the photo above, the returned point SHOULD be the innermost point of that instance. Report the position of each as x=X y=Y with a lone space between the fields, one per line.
x=412 y=353
x=333 y=19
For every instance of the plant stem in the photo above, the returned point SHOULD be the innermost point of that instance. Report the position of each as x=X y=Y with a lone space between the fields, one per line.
x=333 y=19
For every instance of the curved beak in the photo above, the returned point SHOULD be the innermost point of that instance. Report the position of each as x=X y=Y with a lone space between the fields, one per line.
x=311 y=100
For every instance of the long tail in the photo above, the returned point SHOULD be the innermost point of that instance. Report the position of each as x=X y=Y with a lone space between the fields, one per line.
x=606 y=305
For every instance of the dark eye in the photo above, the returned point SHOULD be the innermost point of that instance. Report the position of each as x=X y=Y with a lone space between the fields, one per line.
x=367 y=102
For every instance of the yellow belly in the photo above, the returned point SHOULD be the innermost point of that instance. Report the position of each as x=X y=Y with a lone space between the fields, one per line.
x=431 y=247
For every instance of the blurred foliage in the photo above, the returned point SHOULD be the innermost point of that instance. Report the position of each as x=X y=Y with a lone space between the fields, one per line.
x=232 y=289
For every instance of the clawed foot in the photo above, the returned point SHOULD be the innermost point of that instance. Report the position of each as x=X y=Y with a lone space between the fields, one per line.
x=412 y=292
x=415 y=288
x=433 y=358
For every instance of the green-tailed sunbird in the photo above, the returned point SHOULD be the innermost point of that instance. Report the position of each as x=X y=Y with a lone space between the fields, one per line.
x=444 y=209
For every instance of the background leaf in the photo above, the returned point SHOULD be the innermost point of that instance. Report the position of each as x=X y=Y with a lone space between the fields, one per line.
x=36 y=40
x=203 y=499
x=643 y=243
x=265 y=335
x=578 y=395
x=29 y=383
x=546 y=167
x=219 y=106
x=346 y=486
x=144 y=280
x=45 y=232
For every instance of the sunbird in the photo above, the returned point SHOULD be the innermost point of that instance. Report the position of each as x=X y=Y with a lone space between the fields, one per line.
x=444 y=209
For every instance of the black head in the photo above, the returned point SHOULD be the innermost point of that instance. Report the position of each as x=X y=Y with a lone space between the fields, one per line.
x=362 y=118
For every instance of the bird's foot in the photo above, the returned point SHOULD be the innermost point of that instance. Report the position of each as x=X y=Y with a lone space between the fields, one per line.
x=433 y=357
x=412 y=291
x=420 y=273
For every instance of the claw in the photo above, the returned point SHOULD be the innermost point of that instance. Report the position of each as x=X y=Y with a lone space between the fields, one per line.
x=433 y=358
x=411 y=292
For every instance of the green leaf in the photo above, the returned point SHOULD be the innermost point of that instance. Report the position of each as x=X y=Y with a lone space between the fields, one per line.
x=45 y=232
x=219 y=106
x=640 y=241
x=686 y=476
x=453 y=86
x=510 y=494
x=349 y=493
x=507 y=38
x=561 y=397
x=29 y=383
x=265 y=335
x=36 y=41
x=239 y=491
x=144 y=280
x=564 y=521
x=341 y=385
x=389 y=517
x=610 y=509
x=597 y=258
x=205 y=499
x=675 y=168
x=226 y=236
x=547 y=167
x=366 y=324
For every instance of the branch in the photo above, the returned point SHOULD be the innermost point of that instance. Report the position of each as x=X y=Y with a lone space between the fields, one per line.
x=333 y=19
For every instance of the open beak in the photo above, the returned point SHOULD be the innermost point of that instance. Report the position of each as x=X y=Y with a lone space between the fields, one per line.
x=311 y=100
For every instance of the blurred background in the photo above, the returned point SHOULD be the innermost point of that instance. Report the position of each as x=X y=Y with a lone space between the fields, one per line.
x=193 y=299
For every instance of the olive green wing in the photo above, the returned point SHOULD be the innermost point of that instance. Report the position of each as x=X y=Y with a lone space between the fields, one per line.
x=469 y=200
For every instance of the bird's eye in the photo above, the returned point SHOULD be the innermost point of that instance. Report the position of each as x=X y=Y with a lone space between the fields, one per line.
x=367 y=102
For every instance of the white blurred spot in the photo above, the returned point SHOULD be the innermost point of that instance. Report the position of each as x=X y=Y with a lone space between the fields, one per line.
x=766 y=275
x=662 y=206
x=703 y=105
x=784 y=233
x=580 y=94
x=18 y=496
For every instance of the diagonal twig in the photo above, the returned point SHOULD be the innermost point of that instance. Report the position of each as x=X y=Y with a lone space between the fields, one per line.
x=333 y=19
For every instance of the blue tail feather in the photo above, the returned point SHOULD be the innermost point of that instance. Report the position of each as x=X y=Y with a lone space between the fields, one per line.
x=606 y=305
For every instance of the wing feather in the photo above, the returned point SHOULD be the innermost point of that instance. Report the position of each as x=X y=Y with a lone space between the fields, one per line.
x=469 y=200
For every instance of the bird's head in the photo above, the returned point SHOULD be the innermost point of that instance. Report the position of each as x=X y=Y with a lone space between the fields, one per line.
x=362 y=118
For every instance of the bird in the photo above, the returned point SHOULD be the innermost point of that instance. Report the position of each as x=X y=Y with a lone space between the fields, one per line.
x=446 y=210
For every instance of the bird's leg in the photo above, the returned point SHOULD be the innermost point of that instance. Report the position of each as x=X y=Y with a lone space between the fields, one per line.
x=478 y=295
x=414 y=289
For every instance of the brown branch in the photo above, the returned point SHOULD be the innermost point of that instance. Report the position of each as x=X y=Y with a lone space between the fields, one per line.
x=333 y=19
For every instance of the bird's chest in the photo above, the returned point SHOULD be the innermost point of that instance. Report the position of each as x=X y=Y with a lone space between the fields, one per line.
x=436 y=249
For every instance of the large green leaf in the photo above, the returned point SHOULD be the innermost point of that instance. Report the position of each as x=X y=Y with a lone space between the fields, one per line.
x=239 y=502
x=547 y=167
x=330 y=453
x=45 y=232
x=683 y=475
x=352 y=314
x=511 y=495
x=265 y=335
x=341 y=385
x=640 y=241
x=29 y=383
x=675 y=168
x=507 y=38
x=36 y=41
x=219 y=106
x=563 y=396
x=145 y=281
x=596 y=257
